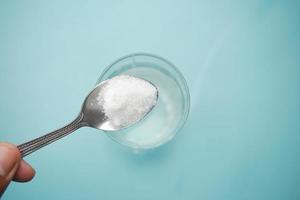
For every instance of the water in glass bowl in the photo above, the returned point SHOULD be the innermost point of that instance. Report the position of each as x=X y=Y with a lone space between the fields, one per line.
x=170 y=112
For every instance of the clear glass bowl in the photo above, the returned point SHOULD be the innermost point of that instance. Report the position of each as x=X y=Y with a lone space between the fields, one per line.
x=171 y=110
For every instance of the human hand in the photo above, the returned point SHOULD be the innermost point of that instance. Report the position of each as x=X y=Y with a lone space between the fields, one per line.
x=12 y=167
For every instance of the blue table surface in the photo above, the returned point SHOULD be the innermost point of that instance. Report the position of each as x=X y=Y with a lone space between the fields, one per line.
x=241 y=62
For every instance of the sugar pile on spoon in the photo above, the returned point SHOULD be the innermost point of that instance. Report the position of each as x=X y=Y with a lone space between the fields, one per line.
x=126 y=99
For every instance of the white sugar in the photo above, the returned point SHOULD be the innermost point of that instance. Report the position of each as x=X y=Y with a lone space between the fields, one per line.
x=127 y=99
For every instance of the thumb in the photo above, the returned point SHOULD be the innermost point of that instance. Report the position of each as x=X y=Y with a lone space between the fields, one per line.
x=9 y=162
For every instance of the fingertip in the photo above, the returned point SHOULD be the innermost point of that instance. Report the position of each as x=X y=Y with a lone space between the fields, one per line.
x=24 y=173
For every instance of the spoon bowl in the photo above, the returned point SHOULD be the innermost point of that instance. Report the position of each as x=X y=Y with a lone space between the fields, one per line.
x=92 y=114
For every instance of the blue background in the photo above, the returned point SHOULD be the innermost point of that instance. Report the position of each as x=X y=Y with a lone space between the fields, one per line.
x=241 y=62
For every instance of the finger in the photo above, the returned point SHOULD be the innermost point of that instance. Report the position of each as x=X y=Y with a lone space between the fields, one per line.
x=24 y=172
x=9 y=161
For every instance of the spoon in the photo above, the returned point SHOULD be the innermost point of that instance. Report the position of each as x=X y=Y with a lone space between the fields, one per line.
x=91 y=115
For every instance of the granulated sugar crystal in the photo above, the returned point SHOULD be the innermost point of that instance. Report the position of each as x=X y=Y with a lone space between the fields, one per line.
x=126 y=99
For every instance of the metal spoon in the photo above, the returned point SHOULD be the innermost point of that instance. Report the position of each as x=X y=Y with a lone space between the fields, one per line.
x=91 y=115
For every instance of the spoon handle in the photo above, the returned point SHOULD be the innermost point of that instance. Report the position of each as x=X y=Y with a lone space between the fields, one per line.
x=33 y=145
